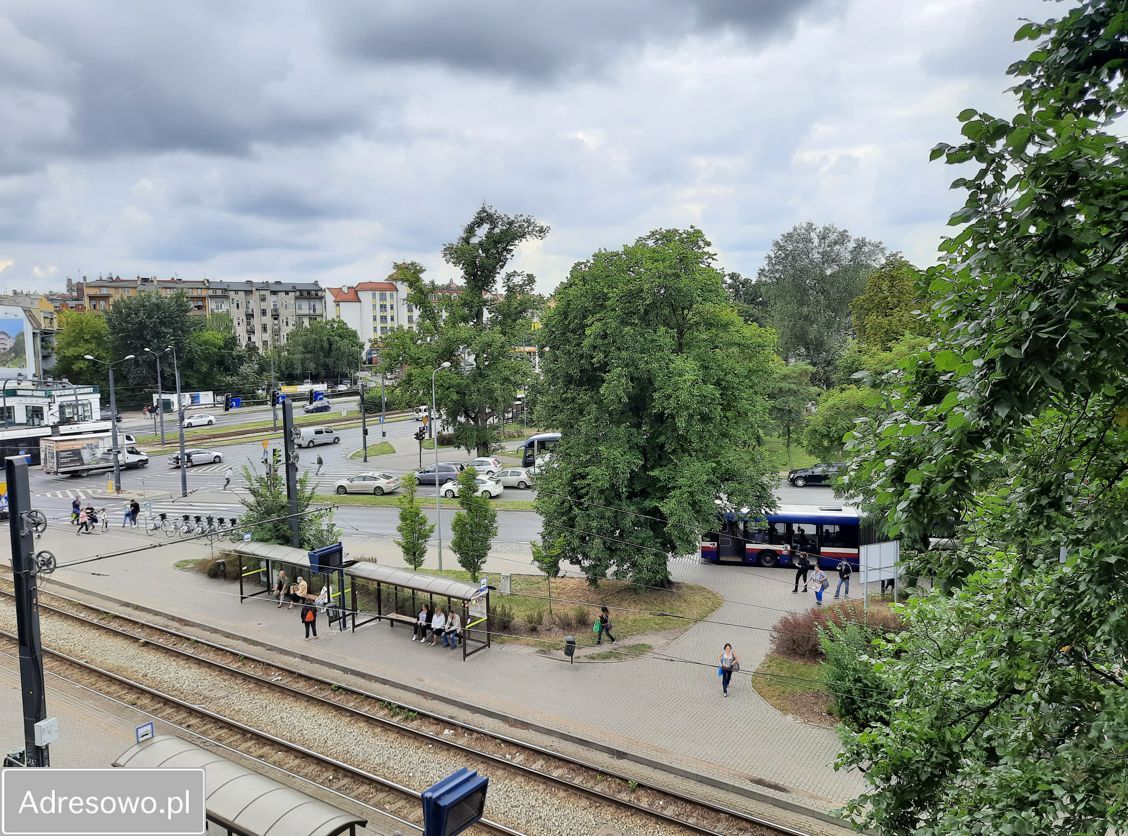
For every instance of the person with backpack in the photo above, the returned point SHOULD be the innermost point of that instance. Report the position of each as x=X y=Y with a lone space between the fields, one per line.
x=844 y=570
x=309 y=618
x=76 y=510
x=818 y=578
x=604 y=626
x=802 y=567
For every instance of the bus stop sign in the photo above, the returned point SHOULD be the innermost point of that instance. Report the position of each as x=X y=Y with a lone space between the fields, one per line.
x=455 y=803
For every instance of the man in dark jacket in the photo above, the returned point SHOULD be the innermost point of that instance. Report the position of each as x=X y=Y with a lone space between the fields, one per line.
x=844 y=572
x=802 y=567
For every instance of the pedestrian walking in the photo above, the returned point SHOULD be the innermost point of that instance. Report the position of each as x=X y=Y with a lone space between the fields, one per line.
x=844 y=570
x=320 y=464
x=438 y=625
x=728 y=664
x=604 y=626
x=422 y=623
x=227 y=478
x=280 y=587
x=125 y=515
x=818 y=578
x=309 y=619
x=134 y=512
x=76 y=510
x=453 y=628
x=802 y=567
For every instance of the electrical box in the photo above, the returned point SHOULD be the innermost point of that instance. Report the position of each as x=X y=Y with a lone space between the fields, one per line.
x=46 y=731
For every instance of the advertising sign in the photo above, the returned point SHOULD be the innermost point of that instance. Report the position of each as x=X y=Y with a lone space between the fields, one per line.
x=17 y=354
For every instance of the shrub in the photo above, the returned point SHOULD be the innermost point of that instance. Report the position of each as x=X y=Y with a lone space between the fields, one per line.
x=534 y=620
x=580 y=617
x=861 y=697
x=502 y=616
x=796 y=635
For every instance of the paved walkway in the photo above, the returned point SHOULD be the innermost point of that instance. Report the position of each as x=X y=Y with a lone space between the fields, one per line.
x=670 y=710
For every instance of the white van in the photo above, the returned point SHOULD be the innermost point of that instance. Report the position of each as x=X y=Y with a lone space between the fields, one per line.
x=422 y=412
x=312 y=436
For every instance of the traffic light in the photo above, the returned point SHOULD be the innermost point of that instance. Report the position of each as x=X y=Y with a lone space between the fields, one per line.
x=420 y=434
x=276 y=398
x=310 y=396
x=227 y=402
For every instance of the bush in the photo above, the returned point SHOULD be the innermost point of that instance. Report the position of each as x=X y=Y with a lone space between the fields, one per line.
x=796 y=635
x=534 y=620
x=502 y=616
x=580 y=617
x=861 y=697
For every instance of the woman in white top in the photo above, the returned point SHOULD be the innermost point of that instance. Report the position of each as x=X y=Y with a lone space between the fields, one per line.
x=728 y=664
x=420 y=629
x=438 y=624
x=453 y=625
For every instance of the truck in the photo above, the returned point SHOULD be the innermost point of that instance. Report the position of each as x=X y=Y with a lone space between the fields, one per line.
x=79 y=455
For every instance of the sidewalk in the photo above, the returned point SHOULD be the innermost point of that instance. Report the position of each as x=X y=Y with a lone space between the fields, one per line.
x=669 y=712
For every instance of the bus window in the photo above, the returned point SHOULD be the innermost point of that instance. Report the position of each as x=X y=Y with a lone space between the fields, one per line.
x=758 y=534
x=839 y=536
x=805 y=538
x=779 y=534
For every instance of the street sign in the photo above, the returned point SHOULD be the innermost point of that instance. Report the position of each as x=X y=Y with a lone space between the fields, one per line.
x=145 y=732
x=426 y=420
x=265 y=443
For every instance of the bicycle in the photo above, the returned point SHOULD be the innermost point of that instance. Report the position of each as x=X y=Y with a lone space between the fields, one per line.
x=198 y=528
x=236 y=534
x=185 y=527
x=155 y=523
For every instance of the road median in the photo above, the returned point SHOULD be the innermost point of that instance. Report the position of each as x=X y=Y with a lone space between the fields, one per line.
x=391 y=500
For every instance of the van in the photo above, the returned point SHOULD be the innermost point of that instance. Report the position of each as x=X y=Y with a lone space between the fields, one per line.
x=422 y=412
x=312 y=436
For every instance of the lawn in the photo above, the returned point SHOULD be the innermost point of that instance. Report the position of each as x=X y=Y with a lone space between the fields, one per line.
x=380 y=448
x=197 y=434
x=391 y=500
x=575 y=608
x=794 y=687
x=776 y=450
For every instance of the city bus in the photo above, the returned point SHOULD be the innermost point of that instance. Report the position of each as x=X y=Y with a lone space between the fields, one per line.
x=828 y=533
x=536 y=447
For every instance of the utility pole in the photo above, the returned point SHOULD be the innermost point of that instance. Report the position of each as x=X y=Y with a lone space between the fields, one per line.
x=160 y=399
x=383 y=408
x=114 y=433
x=27 y=611
x=273 y=388
x=291 y=463
x=363 y=421
x=180 y=421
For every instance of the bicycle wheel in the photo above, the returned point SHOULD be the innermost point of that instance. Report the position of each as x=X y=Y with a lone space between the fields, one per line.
x=169 y=528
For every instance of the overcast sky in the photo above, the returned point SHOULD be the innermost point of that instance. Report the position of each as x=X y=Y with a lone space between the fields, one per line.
x=324 y=140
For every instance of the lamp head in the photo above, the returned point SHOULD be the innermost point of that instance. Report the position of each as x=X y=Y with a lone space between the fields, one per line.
x=129 y=357
x=89 y=357
x=445 y=365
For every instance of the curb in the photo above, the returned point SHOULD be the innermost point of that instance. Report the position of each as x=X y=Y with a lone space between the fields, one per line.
x=477 y=708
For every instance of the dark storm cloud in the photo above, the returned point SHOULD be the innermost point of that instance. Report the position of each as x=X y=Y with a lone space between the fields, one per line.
x=544 y=40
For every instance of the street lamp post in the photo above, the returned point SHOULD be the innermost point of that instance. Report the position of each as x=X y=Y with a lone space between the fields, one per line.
x=19 y=379
x=160 y=394
x=113 y=415
x=435 y=441
x=180 y=421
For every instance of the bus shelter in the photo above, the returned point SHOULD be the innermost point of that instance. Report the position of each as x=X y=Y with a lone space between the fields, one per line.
x=396 y=595
x=260 y=563
x=239 y=801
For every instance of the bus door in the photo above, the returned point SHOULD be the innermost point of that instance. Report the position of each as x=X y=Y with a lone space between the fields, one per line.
x=730 y=545
x=804 y=538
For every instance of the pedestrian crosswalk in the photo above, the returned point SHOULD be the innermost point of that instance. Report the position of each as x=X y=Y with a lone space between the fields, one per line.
x=66 y=494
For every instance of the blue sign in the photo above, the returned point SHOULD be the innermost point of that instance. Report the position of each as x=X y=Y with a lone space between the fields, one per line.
x=236 y=403
x=144 y=732
x=381 y=418
x=455 y=803
x=318 y=395
x=327 y=558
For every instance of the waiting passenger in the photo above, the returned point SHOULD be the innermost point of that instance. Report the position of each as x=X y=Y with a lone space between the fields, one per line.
x=453 y=628
x=438 y=625
x=309 y=619
x=819 y=579
x=419 y=631
x=802 y=567
x=280 y=587
x=299 y=591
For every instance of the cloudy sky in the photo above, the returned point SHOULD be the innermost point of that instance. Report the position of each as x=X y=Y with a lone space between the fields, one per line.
x=323 y=140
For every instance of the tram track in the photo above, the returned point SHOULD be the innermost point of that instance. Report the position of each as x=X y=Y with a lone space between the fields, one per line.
x=620 y=797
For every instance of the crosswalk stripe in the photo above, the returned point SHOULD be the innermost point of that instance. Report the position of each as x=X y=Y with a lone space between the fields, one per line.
x=65 y=494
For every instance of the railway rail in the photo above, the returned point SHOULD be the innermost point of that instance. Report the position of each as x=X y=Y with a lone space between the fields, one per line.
x=501 y=757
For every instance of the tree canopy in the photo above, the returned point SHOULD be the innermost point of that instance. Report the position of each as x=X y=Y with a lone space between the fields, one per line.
x=1009 y=695
x=890 y=306
x=325 y=349
x=81 y=334
x=658 y=387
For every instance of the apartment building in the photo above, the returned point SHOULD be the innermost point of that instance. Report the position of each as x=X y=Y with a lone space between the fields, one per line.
x=100 y=295
x=264 y=313
x=374 y=309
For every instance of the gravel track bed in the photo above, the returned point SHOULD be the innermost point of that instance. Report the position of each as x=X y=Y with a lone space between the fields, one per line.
x=517 y=800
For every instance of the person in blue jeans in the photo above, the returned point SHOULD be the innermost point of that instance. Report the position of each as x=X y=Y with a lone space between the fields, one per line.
x=844 y=570
x=820 y=582
x=727 y=664
x=453 y=628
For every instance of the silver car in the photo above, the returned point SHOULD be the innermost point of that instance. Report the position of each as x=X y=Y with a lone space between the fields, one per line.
x=486 y=465
x=373 y=483
x=515 y=477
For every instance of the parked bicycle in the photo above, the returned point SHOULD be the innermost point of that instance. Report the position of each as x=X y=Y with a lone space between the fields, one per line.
x=155 y=523
x=184 y=529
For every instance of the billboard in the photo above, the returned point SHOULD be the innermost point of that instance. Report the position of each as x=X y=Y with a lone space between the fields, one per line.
x=17 y=354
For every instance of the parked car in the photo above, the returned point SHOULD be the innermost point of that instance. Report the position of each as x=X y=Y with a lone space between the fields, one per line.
x=486 y=465
x=818 y=474
x=421 y=412
x=199 y=421
x=514 y=477
x=313 y=436
x=447 y=471
x=322 y=405
x=373 y=483
x=483 y=486
x=196 y=456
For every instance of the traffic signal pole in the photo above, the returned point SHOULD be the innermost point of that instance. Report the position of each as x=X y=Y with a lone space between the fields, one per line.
x=363 y=423
x=290 y=453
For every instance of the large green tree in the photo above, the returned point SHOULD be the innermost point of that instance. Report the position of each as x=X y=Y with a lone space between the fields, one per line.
x=473 y=527
x=326 y=349
x=810 y=276
x=81 y=334
x=266 y=511
x=658 y=387
x=1010 y=703
x=491 y=316
x=890 y=306
x=790 y=397
x=156 y=321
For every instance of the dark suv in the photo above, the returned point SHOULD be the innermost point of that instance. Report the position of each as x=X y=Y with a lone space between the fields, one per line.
x=818 y=474
x=447 y=471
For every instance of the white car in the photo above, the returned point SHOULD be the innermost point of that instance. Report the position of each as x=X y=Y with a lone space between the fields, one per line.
x=486 y=465
x=373 y=483
x=483 y=487
x=515 y=477
x=198 y=421
x=196 y=456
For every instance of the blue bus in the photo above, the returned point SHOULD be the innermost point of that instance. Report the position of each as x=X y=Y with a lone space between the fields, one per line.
x=536 y=447
x=828 y=533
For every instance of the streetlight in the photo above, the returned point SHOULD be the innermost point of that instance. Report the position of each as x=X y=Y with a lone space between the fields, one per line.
x=19 y=378
x=113 y=413
x=435 y=441
x=160 y=395
x=180 y=416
